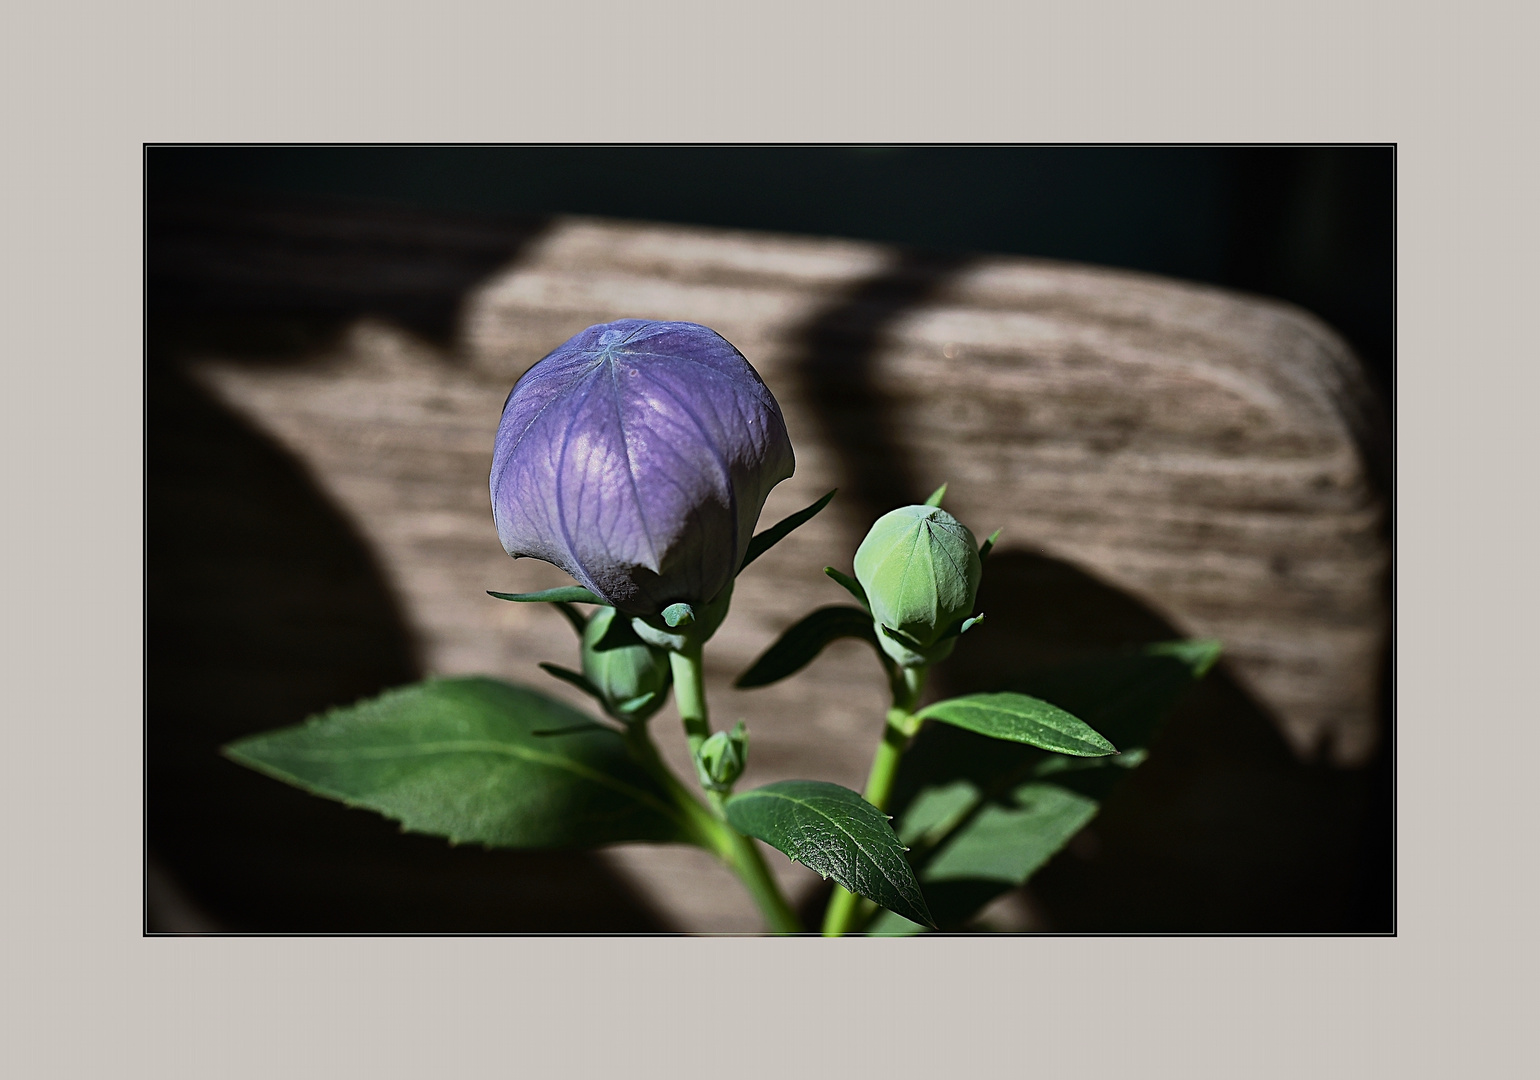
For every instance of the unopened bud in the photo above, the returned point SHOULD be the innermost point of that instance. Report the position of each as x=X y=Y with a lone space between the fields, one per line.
x=722 y=757
x=631 y=676
x=637 y=457
x=920 y=568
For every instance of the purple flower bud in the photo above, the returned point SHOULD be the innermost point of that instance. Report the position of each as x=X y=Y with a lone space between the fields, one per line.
x=637 y=457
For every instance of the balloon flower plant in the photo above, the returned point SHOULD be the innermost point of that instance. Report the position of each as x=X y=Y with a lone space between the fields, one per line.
x=637 y=457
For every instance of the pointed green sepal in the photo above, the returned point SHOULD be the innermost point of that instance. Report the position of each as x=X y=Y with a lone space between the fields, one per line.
x=573 y=678
x=766 y=540
x=680 y=614
x=850 y=585
x=636 y=704
x=908 y=641
x=1199 y=654
x=571 y=594
x=961 y=627
x=988 y=545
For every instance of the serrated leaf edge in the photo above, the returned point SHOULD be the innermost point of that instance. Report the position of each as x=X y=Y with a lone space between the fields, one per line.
x=764 y=541
x=233 y=752
x=764 y=793
x=930 y=713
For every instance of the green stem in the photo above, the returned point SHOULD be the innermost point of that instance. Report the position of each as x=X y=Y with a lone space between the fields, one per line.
x=712 y=831
x=896 y=734
x=879 y=781
x=745 y=860
x=690 y=696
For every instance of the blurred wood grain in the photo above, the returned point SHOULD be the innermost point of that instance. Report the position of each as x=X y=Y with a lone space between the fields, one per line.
x=1216 y=457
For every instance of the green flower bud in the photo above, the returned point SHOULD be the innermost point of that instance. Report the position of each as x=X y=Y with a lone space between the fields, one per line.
x=920 y=568
x=632 y=677
x=722 y=757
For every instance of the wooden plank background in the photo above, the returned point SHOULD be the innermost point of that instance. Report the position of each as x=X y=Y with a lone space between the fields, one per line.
x=1214 y=460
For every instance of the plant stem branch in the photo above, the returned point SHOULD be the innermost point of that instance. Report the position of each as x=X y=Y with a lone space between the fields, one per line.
x=712 y=831
x=690 y=696
x=746 y=861
x=896 y=733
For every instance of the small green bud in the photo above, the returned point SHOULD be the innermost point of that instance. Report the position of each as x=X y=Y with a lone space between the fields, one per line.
x=722 y=757
x=679 y=626
x=631 y=676
x=920 y=568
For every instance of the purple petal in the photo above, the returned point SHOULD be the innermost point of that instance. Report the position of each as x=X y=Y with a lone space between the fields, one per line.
x=637 y=457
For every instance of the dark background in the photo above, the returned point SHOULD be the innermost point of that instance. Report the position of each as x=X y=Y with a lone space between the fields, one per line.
x=1312 y=225
x=264 y=606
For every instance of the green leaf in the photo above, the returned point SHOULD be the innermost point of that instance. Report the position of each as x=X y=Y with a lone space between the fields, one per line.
x=966 y=895
x=797 y=647
x=887 y=924
x=997 y=844
x=568 y=594
x=936 y=496
x=834 y=831
x=982 y=815
x=1008 y=840
x=1124 y=696
x=461 y=758
x=763 y=542
x=1023 y=719
x=988 y=545
x=1197 y=654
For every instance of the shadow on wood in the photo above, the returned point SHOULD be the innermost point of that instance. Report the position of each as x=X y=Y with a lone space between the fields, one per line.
x=317 y=532
x=838 y=364
x=265 y=606
x=1223 y=828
